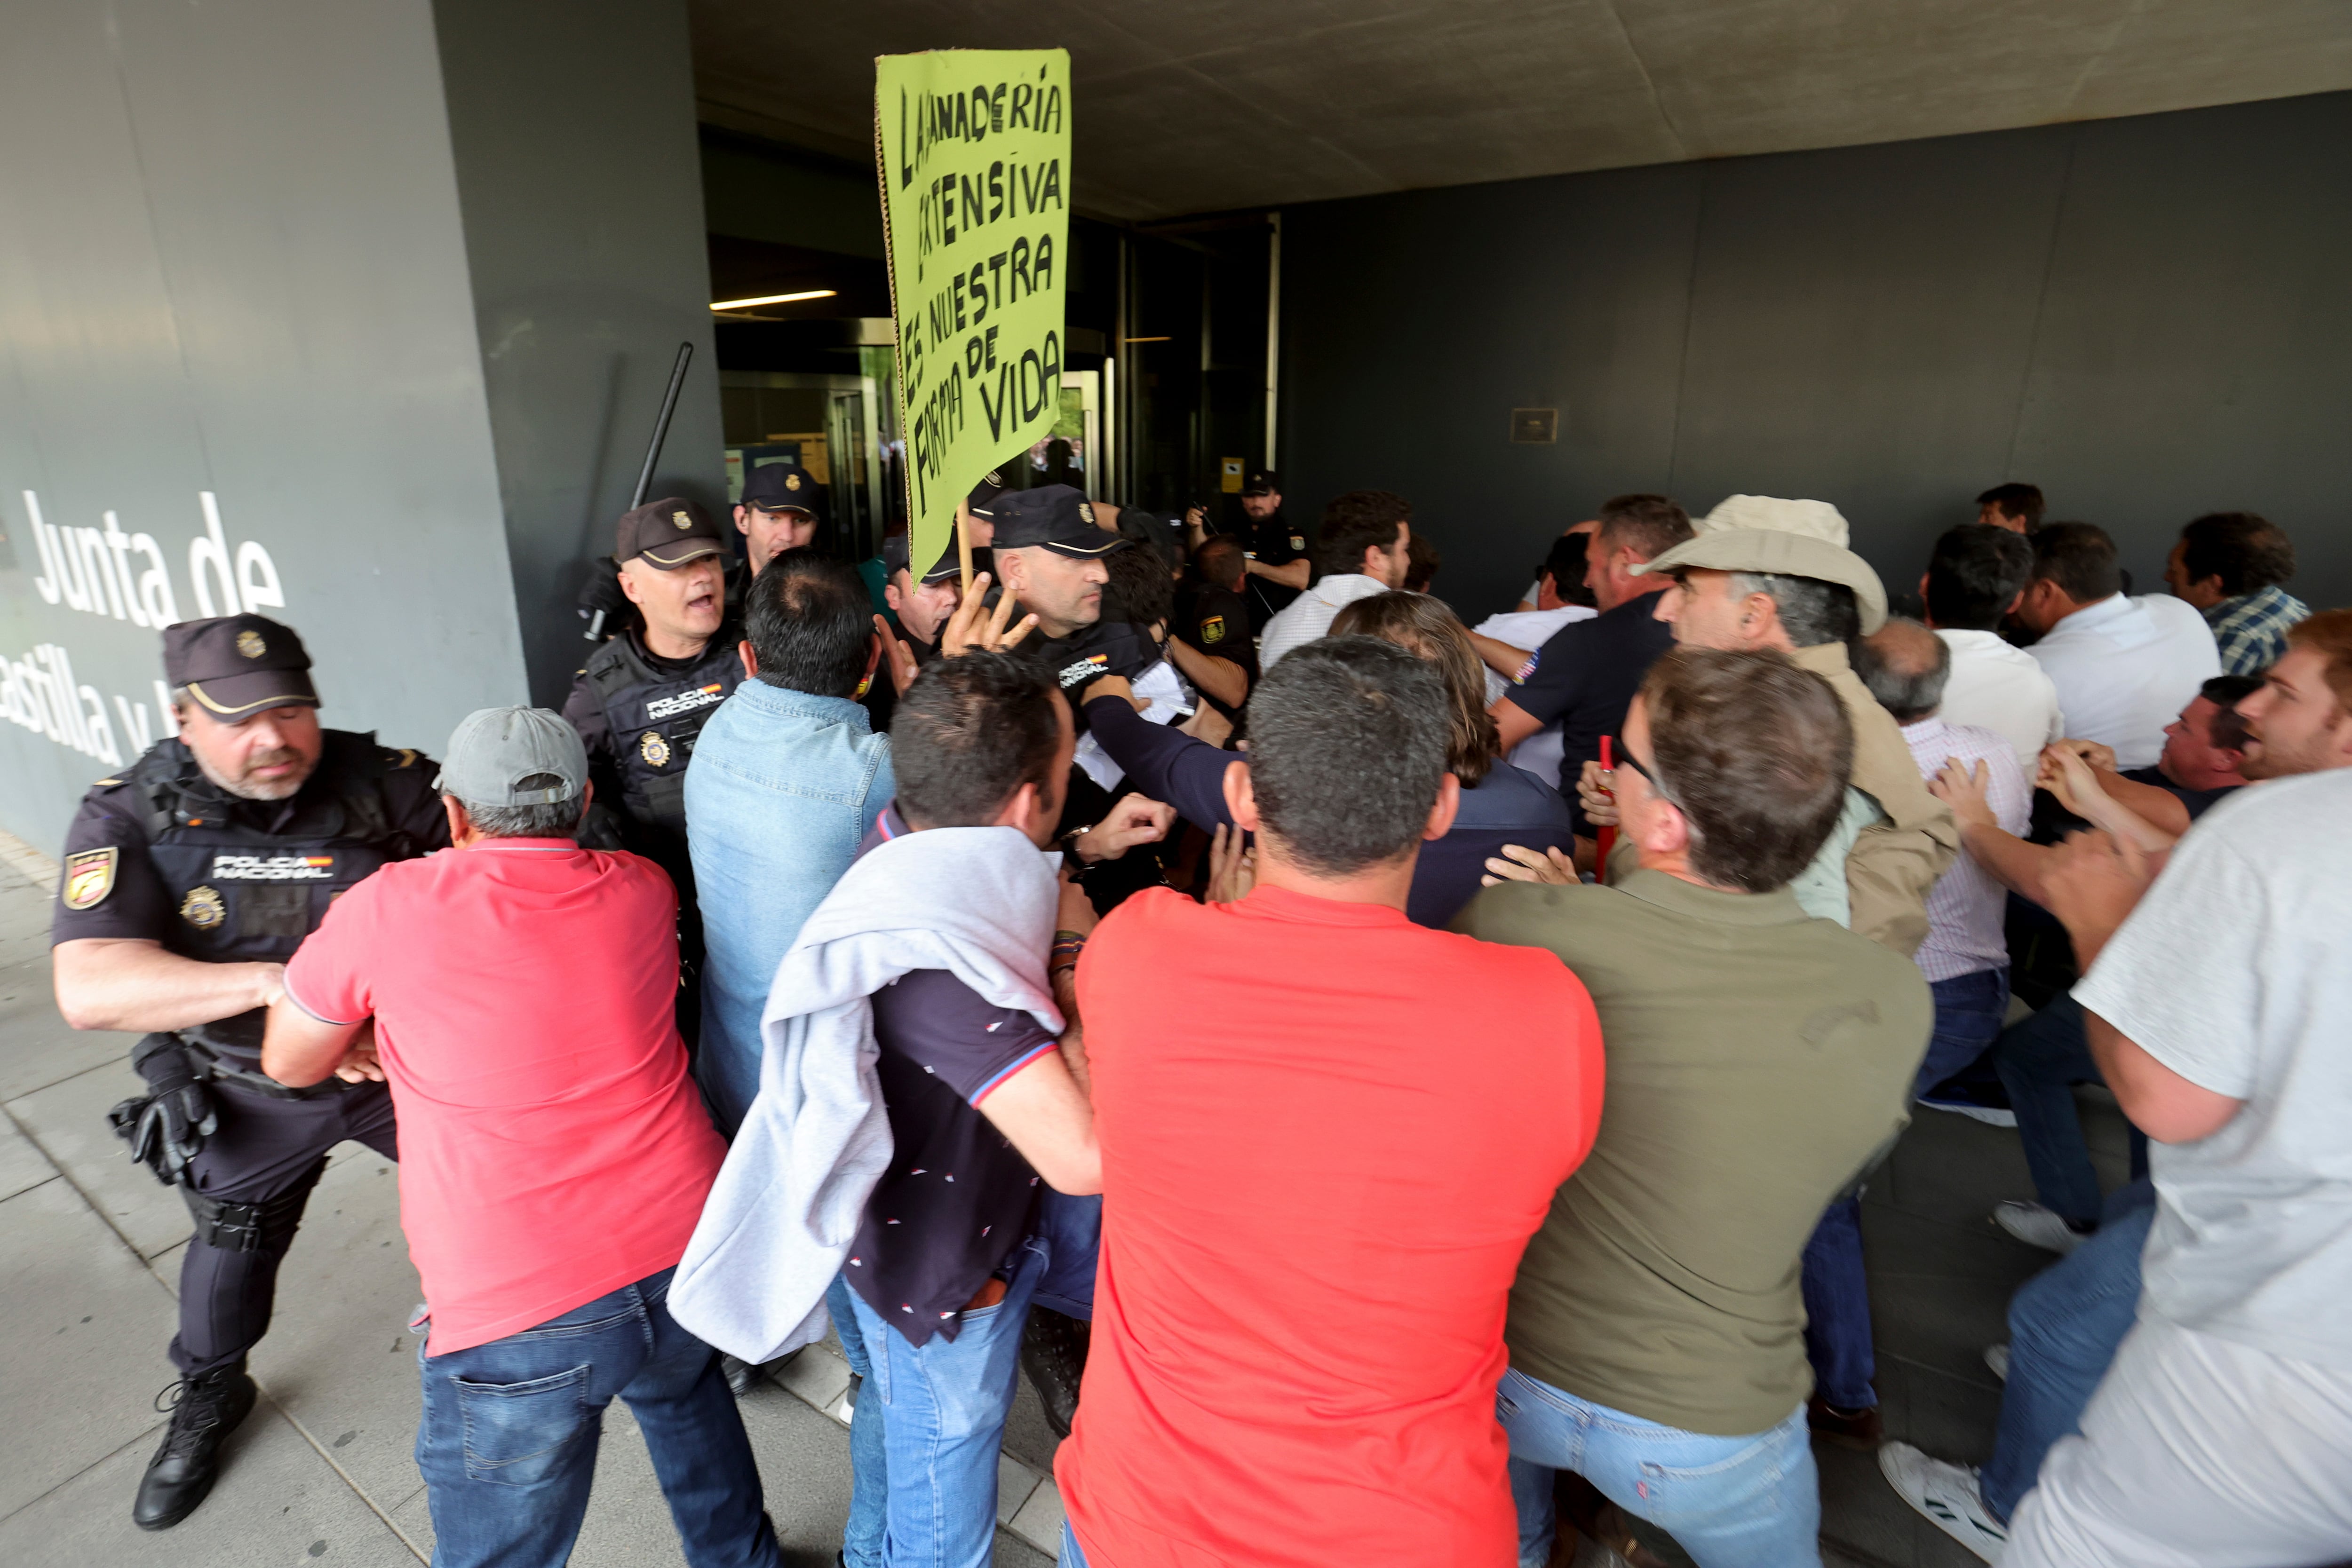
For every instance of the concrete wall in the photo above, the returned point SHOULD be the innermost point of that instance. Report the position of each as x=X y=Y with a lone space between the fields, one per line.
x=2148 y=318
x=231 y=266
x=580 y=178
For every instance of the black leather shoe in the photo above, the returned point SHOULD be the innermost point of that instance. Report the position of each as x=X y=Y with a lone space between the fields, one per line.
x=742 y=1376
x=1053 y=1353
x=204 y=1410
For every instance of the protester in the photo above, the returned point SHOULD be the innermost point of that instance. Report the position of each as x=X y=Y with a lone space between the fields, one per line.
x=1507 y=641
x=1422 y=563
x=1316 y=1214
x=1361 y=550
x=1973 y=582
x=1570 y=589
x=786 y=778
x=516 y=993
x=1965 y=955
x=911 y=1098
x=1582 y=678
x=2218 y=1004
x=2014 y=507
x=2230 y=565
x=2123 y=666
x=2040 y=1059
x=1757 y=1058
x=1501 y=805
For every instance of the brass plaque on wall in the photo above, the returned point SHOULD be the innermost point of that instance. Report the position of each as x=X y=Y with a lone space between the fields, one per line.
x=1535 y=424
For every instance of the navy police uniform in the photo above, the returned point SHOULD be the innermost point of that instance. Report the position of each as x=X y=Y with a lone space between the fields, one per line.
x=161 y=853
x=1277 y=541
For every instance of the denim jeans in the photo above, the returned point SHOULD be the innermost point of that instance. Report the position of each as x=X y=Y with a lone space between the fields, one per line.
x=1753 y=1502
x=1837 y=1309
x=923 y=1440
x=508 y=1441
x=2040 y=1060
x=1969 y=1013
x=1073 y=1229
x=1073 y=1555
x=2065 y=1324
x=782 y=788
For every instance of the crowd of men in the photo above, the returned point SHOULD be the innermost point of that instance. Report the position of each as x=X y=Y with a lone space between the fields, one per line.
x=1402 y=1090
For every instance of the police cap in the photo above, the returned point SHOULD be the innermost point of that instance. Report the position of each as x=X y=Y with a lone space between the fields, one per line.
x=236 y=665
x=781 y=487
x=667 y=533
x=894 y=561
x=991 y=485
x=1261 y=482
x=1053 y=516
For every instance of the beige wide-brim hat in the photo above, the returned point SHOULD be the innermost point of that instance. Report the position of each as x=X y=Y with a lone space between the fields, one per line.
x=1789 y=538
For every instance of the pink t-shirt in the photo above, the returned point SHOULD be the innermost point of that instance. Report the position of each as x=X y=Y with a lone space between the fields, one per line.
x=552 y=1148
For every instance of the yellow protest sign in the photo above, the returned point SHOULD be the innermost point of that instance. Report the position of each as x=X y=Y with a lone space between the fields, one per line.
x=973 y=150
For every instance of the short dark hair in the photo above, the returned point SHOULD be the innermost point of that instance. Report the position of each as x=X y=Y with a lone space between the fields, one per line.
x=1811 y=612
x=1140 y=589
x=1426 y=627
x=1565 y=566
x=1422 y=563
x=968 y=734
x=1755 y=752
x=2080 y=558
x=1355 y=522
x=2225 y=692
x=1905 y=665
x=1221 y=558
x=810 y=623
x=1347 y=744
x=2245 y=551
x=1974 y=575
x=1653 y=525
x=2023 y=502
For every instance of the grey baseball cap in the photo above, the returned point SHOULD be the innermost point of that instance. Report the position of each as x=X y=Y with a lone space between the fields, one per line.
x=494 y=748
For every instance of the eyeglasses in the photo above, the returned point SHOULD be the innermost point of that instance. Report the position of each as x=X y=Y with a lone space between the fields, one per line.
x=1626 y=758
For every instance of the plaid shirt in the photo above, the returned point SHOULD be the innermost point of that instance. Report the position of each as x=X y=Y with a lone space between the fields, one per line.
x=2251 y=630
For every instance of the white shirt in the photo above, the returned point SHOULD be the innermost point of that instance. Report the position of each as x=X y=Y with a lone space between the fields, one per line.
x=1529 y=628
x=1310 y=614
x=1966 y=907
x=2232 y=972
x=2003 y=689
x=2126 y=667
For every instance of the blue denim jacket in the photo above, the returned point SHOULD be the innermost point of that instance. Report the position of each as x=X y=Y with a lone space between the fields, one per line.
x=782 y=788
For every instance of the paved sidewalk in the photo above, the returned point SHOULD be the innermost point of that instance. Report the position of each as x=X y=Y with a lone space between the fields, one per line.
x=322 y=1472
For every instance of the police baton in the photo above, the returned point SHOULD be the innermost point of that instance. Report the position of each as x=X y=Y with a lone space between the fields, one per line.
x=595 y=632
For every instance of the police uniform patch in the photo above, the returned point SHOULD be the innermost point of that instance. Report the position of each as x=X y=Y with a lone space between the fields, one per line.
x=654 y=747
x=1212 y=629
x=89 y=877
x=791 y=481
x=204 y=908
x=250 y=644
x=682 y=520
x=1297 y=542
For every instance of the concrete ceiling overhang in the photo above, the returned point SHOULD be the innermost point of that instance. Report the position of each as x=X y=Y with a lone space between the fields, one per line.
x=1190 y=106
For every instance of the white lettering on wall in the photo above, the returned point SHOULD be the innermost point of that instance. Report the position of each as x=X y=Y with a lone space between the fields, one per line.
x=90 y=569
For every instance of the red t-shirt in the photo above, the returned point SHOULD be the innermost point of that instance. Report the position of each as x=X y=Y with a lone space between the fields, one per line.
x=1327 y=1133
x=552 y=1148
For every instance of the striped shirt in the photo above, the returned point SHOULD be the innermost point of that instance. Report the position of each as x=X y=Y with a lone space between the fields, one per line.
x=1967 y=907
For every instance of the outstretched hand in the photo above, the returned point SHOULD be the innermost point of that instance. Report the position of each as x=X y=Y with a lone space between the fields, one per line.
x=1233 y=865
x=1962 y=786
x=1135 y=819
x=2095 y=882
x=1516 y=864
x=976 y=626
x=896 y=654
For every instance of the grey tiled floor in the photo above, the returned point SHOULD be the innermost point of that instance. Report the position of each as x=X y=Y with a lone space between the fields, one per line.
x=321 y=1473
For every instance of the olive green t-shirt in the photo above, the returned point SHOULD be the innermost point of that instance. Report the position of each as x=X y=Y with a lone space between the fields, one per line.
x=1757 y=1059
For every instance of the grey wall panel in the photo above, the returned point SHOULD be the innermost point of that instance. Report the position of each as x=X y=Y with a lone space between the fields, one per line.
x=580 y=177
x=1860 y=330
x=231 y=262
x=2196 y=344
x=2145 y=317
x=1415 y=324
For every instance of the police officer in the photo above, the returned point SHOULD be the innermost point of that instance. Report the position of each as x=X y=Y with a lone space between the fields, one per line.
x=1278 y=567
x=779 y=510
x=189 y=881
x=1048 y=552
x=923 y=604
x=1212 y=621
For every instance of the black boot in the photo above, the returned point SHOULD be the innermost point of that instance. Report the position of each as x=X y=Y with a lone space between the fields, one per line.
x=204 y=1411
x=1053 y=1353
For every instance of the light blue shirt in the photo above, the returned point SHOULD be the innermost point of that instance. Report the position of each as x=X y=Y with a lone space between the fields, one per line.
x=782 y=789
